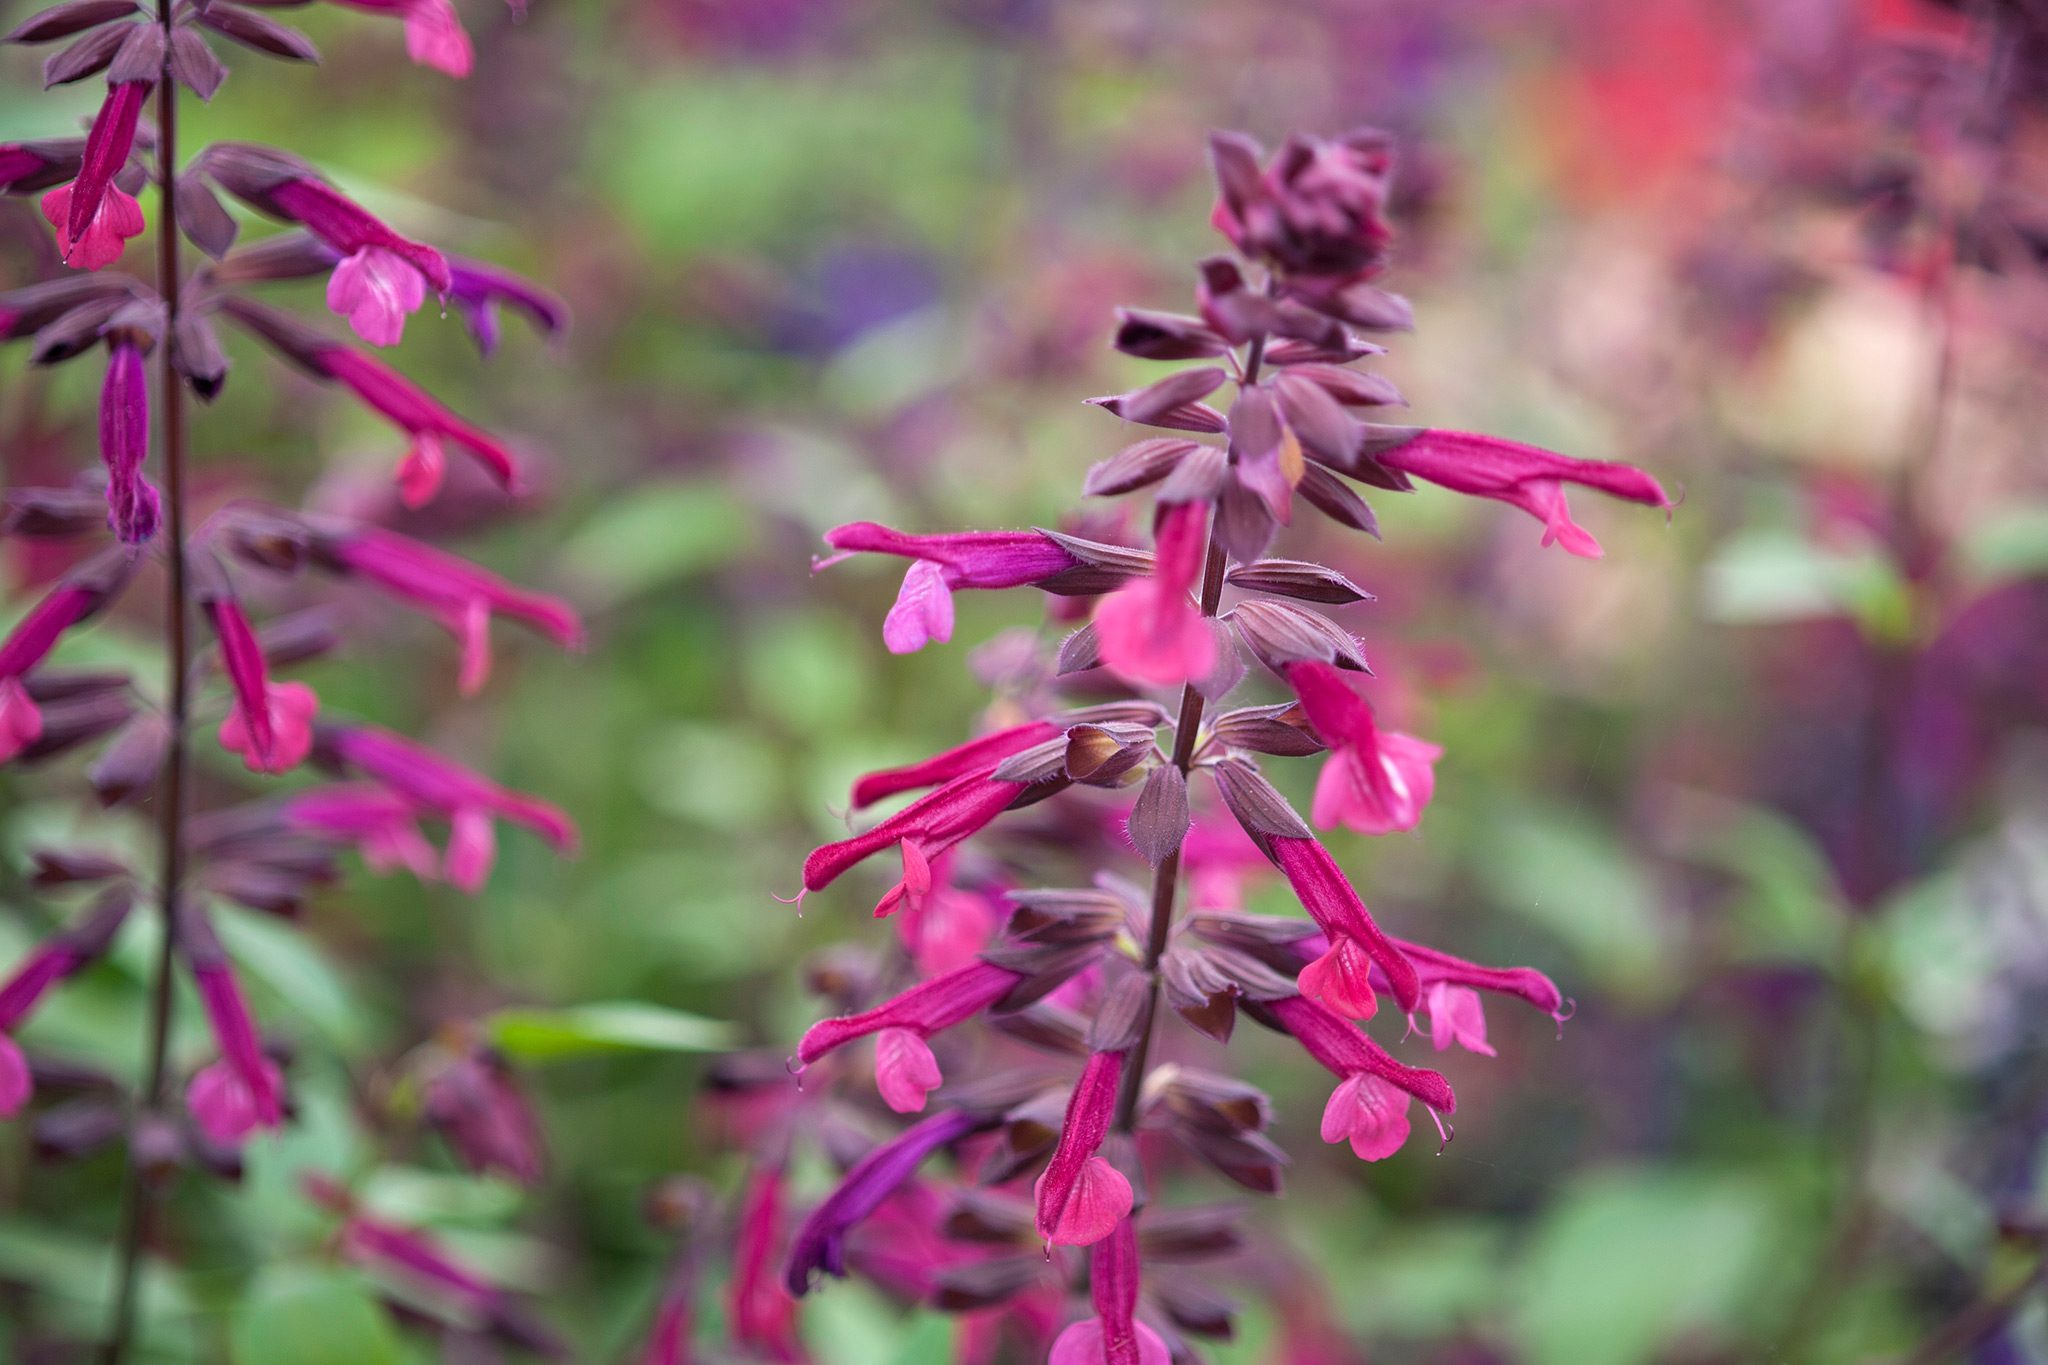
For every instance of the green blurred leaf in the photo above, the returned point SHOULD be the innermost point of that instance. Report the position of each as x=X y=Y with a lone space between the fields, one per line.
x=1769 y=576
x=656 y=536
x=621 y=1026
x=2000 y=547
x=1790 y=906
x=1626 y=1260
x=301 y=1315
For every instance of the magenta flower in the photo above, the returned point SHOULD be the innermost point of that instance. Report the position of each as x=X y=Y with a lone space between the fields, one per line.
x=270 y=724
x=1341 y=979
x=1113 y=1336
x=93 y=216
x=1522 y=476
x=1315 y=208
x=434 y=36
x=133 y=506
x=904 y=1067
x=1327 y=895
x=21 y=721
x=243 y=1091
x=976 y=755
x=1451 y=989
x=468 y=800
x=1375 y=781
x=926 y=827
x=76 y=597
x=1150 y=630
x=940 y=564
x=1369 y=1107
x=478 y=291
x=763 y=1313
x=426 y=422
x=460 y=595
x=1456 y=1016
x=26 y=166
x=1081 y=1197
x=471 y=1100
x=383 y=826
x=57 y=957
x=820 y=1243
x=376 y=290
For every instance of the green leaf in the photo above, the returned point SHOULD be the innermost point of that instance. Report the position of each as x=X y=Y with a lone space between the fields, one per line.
x=2006 y=546
x=302 y=1315
x=1790 y=906
x=1628 y=1260
x=657 y=536
x=621 y=1026
x=1766 y=577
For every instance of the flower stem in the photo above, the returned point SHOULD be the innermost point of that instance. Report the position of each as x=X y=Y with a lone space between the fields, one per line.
x=1166 y=877
x=136 y=1194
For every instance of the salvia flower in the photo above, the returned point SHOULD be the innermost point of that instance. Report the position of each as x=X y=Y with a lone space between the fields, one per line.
x=434 y=36
x=1315 y=210
x=133 y=505
x=1369 y=1107
x=383 y=825
x=468 y=800
x=976 y=755
x=820 y=1243
x=1327 y=894
x=478 y=290
x=971 y=559
x=243 y=1091
x=763 y=1313
x=1522 y=476
x=904 y=1067
x=470 y=1097
x=270 y=724
x=1150 y=631
x=75 y=598
x=459 y=595
x=1081 y=1197
x=926 y=827
x=62 y=955
x=1375 y=781
x=428 y=424
x=1112 y=1335
x=93 y=216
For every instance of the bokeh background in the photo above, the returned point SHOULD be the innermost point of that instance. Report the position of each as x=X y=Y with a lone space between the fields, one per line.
x=1765 y=790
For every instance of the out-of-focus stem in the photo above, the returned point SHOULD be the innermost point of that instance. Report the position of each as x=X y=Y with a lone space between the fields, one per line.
x=136 y=1196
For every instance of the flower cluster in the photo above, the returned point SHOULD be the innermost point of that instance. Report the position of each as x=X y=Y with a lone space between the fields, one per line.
x=384 y=793
x=1066 y=1166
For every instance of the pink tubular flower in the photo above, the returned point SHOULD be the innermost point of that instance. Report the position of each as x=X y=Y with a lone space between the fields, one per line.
x=1456 y=1016
x=270 y=724
x=93 y=216
x=468 y=800
x=976 y=755
x=425 y=421
x=243 y=1091
x=133 y=507
x=434 y=36
x=1113 y=1336
x=21 y=722
x=460 y=595
x=478 y=291
x=820 y=1243
x=1328 y=896
x=926 y=827
x=81 y=593
x=940 y=564
x=904 y=1067
x=1451 y=989
x=1522 y=476
x=1370 y=1105
x=57 y=957
x=1341 y=979
x=763 y=1313
x=1150 y=630
x=471 y=1101
x=1375 y=781
x=1081 y=1197
x=384 y=826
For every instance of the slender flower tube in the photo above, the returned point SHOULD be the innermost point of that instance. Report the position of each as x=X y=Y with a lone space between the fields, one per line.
x=404 y=1251
x=925 y=828
x=1113 y=1336
x=434 y=36
x=133 y=505
x=763 y=1313
x=976 y=755
x=93 y=216
x=820 y=1243
x=1329 y=898
x=1370 y=1104
x=461 y=596
x=408 y=407
x=1150 y=630
x=467 y=799
x=1450 y=995
x=243 y=1091
x=1522 y=476
x=270 y=724
x=479 y=290
x=904 y=1068
x=1081 y=1197
x=942 y=563
x=75 y=598
x=1375 y=781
